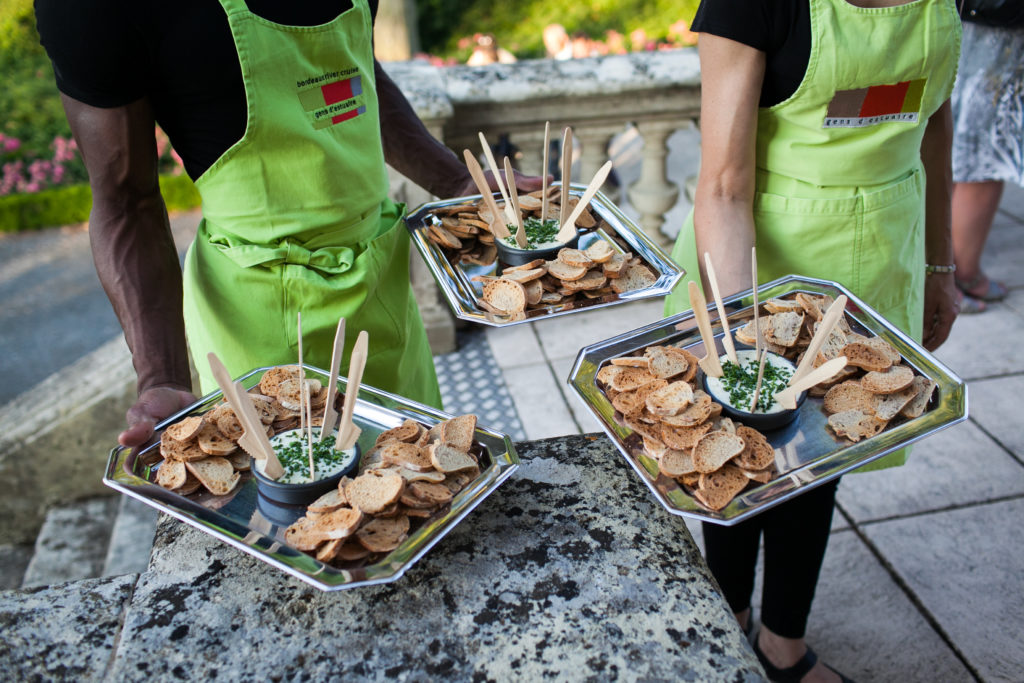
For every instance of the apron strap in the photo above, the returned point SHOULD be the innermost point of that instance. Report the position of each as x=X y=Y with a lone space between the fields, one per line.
x=332 y=260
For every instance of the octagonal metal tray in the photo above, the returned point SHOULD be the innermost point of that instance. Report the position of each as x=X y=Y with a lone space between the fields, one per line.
x=806 y=454
x=249 y=523
x=462 y=294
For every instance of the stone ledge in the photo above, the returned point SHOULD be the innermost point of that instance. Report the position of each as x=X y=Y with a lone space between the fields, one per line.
x=55 y=437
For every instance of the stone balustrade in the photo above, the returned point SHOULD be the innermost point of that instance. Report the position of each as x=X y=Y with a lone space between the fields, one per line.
x=657 y=92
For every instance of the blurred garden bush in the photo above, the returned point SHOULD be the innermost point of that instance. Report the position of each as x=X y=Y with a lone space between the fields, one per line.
x=42 y=177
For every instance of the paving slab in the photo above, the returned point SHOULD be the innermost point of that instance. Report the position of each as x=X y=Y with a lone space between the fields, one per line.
x=1004 y=250
x=13 y=560
x=539 y=402
x=964 y=566
x=131 y=539
x=864 y=625
x=65 y=632
x=584 y=419
x=995 y=407
x=967 y=353
x=1012 y=202
x=514 y=346
x=72 y=543
x=957 y=466
x=564 y=337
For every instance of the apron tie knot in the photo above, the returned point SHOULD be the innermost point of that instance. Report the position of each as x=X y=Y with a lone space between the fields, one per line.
x=328 y=260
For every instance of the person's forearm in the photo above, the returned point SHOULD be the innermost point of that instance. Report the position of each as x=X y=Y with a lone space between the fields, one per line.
x=936 y=158
x=137 y=264
x=129 y=232
x=411 y=149
x=724 y=229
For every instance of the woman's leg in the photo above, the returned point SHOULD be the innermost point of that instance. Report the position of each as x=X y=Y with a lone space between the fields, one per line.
x=795 y=538
x=974 y=208
x=731 y=554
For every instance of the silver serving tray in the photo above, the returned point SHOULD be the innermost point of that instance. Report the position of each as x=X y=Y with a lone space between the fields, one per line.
x=242 y=521
x=807 y=455
x=462 y=293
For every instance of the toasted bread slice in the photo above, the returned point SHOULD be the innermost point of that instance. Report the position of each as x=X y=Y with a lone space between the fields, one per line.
x=628 y=379
x=885 y=348
x=459 y=432
x=784 y=328
x=600 y=252
x=861 y=355
x=848 y=395
x=633 y=403
x=187 y=429
x=635 y=277
x=564 y=271
x=383 y=535
x=449 y=459
x=407 y=432
x=505 y=295
x=171 y=474
x=338 y=524
x=925 y=388
x=407 y=455
x=757 y=453
x=778 y=305
x=889 y=380
x=433 y=494
x=698 y=411
x=717 y=489
x=213 y=442
x=684 y=438
x=670 y=399
x=575 y=258
x=855 y=424
x=675 y=463
x=373 y=492
x=716 y=448
x=330 y=501
x=888 y=406
x=667 y=361
x=216 y=474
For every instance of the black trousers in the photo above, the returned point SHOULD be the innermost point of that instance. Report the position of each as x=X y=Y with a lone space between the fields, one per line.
x=795 y=537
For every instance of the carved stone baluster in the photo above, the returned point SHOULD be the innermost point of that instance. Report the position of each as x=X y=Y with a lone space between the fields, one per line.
x=654 y=194
x=595 y=141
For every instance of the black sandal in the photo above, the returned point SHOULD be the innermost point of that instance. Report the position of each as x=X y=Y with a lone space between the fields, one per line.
x=795 y=673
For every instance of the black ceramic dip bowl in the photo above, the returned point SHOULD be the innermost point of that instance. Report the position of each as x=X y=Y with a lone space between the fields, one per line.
x=776 y=416
x=514 y=256
x=303 y=492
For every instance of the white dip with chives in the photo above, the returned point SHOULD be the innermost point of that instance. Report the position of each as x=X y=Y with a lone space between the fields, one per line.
x=735 y=387
x=292 y=449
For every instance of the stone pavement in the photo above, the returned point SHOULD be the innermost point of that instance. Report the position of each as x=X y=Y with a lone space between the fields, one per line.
x=922 y=580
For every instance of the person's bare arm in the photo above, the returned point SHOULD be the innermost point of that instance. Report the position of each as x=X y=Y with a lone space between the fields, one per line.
x=940 y=307
x=415 y=153
x=135 y=256
x=731 y=77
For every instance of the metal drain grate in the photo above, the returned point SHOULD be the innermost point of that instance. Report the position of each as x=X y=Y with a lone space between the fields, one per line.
x=471 y=382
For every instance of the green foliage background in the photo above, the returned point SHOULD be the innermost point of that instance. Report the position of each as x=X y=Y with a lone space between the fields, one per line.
x=30 y=108
x=518 y=25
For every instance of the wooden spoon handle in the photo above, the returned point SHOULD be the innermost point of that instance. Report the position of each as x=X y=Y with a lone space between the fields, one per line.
x=255 y=434
x=514 y=194
x=348 y=433
x=498 y=226
x=730 y=349
x=829 y=321
x=544 y=172
x=568 y=228
x=700 y=313
x=330 y=412
x=563 y=201
x=489 y=155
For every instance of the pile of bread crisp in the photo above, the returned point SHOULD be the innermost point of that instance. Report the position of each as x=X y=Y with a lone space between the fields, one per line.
x=465 y=229
x=682 y=428
x=597 y=272
x=411 y=472
x=201 y=451
x=874 y=388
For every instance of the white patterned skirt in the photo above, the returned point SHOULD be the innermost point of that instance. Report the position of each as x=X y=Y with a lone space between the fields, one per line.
x=988 y=106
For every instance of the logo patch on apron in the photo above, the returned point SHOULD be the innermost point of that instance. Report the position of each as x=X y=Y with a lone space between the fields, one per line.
x=332 y=98
x=874 y=105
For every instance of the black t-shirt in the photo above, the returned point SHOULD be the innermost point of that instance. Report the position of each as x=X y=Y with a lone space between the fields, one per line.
x=180 y=55
x=779 y=28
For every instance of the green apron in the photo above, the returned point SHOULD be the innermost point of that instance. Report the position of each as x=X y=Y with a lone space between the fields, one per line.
x=296 y=216
x=839 y=184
